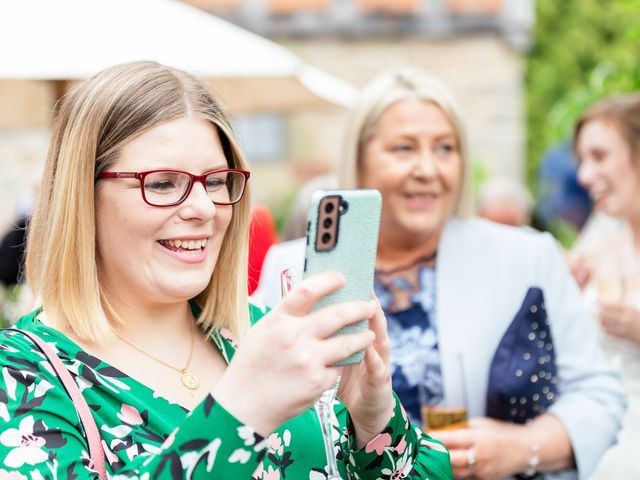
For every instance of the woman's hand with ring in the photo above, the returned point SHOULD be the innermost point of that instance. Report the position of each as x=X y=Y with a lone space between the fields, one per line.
x=488 y=449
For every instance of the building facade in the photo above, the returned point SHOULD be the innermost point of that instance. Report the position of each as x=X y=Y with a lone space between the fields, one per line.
x=474 y=46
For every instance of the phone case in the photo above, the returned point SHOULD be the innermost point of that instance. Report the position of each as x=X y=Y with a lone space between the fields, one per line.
x=353 y=254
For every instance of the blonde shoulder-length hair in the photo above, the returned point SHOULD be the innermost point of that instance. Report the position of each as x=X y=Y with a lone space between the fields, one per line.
x=95 y=120
x=383 y=91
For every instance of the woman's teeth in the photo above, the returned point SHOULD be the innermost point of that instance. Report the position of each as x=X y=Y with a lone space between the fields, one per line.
x=421 y=196
x=184 y=244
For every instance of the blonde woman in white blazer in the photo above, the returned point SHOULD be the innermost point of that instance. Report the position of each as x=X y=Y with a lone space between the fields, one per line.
x=542 y=400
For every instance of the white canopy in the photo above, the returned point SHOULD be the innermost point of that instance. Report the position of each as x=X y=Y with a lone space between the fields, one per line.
x=73 y=39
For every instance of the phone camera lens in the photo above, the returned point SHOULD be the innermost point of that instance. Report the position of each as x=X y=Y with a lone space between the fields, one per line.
x=327 y=223
x=326 y=238
x=329 y=207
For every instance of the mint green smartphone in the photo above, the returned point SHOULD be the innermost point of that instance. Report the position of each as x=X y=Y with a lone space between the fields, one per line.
x=342 y=235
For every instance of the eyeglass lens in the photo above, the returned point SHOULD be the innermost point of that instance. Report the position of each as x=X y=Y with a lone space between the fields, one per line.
x=166 y=188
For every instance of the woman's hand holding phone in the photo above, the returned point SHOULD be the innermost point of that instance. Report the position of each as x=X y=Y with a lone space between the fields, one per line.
x=286 y=360
x=366 y=388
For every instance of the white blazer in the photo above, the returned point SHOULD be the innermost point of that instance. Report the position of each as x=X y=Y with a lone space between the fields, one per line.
x=483 y=273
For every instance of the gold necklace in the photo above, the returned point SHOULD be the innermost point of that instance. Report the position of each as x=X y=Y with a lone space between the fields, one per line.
x=188 y=379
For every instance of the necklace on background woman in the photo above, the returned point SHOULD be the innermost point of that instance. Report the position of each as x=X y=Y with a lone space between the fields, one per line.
x=188 y=379
x=426 y=259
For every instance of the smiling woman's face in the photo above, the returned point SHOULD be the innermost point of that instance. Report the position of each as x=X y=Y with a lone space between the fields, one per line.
x=413 y=158
x=606 y=169
x=139 y=256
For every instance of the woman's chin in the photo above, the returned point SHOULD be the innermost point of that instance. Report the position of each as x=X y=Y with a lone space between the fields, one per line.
x=611 y=209
x=425 y=227
x=183 y=291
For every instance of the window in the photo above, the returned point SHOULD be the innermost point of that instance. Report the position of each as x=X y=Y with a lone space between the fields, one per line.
x=280 y=7
x=474 y=6
x=261 y=137
x=398 y=7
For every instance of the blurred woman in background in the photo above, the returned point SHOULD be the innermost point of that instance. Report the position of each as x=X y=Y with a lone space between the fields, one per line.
x=540 y=395
x=607 y=255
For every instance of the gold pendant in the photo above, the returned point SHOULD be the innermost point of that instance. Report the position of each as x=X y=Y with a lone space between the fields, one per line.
x=189 y=380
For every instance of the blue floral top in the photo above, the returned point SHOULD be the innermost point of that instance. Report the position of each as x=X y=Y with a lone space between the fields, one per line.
x=408 y=297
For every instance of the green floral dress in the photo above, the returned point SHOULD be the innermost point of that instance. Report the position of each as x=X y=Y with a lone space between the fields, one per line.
x=146 y=436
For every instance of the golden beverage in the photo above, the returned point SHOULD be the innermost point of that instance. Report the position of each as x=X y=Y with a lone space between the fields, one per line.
x=611 y=289
x=443 y=418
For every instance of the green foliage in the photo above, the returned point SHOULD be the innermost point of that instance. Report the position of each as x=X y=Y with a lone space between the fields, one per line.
x=564 y=232
x=282 y=209
x=479 y=174
x=583 y=50
x=9 y=299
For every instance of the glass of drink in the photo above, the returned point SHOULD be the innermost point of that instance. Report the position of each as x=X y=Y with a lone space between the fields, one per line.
x=449 y=410
x=611 y=289
x=324 y=405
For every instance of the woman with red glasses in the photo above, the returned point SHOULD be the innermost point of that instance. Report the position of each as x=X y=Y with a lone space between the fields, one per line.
x=138 y=255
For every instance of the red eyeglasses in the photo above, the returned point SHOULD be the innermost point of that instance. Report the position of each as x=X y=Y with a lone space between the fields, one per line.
x=166 y=188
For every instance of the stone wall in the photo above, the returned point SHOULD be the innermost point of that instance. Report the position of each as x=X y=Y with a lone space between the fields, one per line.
x=485 y=74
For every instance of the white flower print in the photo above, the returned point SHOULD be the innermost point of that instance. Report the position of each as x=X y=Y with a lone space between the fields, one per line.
x=212 y=450
x=434 y=446
x=247 y=434
x=41 y=388
x=112 y=383
x=36 y=389
x=190 y=460
x=132 y=451
x=10 y=383
x=7 y=348
x=119 y=431
x=401 y=468
x=5 y=475
x=286 y=437
x=27 y=446
x=4 y=412
x=151 y=449
x=240 y=455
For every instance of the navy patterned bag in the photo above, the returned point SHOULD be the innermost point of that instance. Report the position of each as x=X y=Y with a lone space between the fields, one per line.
x=523 y=378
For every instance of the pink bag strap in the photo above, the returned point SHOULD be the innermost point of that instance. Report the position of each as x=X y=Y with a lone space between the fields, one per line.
x=84 y=412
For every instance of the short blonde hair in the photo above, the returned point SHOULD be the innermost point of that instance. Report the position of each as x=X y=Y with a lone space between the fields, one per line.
x=94 y=121
x=623 y=111
x=383 y=91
